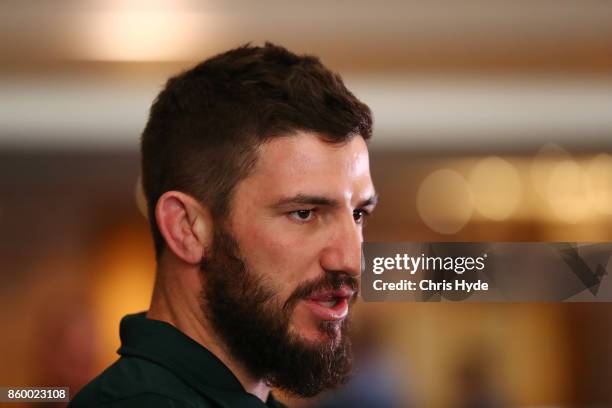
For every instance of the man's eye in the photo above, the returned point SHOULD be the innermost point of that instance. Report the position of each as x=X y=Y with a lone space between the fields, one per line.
x=359 y=216
x=302 y=215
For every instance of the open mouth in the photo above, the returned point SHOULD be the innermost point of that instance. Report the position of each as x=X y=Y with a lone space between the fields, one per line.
x=330 y=304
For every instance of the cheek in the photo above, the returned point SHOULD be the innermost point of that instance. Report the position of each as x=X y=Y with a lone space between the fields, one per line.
x=283 y=258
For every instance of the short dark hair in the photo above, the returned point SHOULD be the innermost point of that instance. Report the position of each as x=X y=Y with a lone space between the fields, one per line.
x=205 y=125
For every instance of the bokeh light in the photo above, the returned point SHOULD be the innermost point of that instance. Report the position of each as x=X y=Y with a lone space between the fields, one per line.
x=599 y=173
x=544 y=161
x=568 y=192
x=444 y=201
x=496 y=188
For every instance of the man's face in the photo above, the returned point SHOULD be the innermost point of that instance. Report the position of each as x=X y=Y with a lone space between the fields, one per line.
x=283 y=269
x=299 y=215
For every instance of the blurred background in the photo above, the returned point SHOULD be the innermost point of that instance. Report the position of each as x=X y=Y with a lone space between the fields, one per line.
x=493 y=122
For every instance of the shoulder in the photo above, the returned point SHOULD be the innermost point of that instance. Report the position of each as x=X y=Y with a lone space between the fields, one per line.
x=134 y=382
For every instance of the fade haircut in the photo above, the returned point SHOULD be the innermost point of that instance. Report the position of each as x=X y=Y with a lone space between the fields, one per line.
x=206 y=124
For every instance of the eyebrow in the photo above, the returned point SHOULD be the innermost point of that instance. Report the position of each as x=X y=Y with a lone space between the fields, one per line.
x=372 y=200
x=321 y=200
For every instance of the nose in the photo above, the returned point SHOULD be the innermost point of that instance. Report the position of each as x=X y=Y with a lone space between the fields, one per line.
x=343 y=250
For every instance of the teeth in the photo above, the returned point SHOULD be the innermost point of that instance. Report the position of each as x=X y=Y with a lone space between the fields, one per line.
x=330 y=303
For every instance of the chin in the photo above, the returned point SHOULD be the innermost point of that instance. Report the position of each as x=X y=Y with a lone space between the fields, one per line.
x=325 y=332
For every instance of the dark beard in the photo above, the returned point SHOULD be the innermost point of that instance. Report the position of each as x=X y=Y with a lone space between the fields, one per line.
x=255 y=327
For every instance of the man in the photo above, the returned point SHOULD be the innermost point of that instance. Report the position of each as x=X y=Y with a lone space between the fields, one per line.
x=256 y=174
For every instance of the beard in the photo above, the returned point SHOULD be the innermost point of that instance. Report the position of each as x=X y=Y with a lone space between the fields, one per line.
x=255 y=326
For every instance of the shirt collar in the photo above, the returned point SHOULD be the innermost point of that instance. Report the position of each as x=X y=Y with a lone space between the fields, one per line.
x=167 y=346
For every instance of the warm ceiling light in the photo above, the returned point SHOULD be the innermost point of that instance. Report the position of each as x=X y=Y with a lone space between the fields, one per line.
x=145 y=31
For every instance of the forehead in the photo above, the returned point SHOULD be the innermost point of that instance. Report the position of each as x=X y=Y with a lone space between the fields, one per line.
x=305 y=163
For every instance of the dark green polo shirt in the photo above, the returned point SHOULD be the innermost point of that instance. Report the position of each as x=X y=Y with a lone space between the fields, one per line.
x=162 y=367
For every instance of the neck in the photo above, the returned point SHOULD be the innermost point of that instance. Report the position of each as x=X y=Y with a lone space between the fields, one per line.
x=176 y=301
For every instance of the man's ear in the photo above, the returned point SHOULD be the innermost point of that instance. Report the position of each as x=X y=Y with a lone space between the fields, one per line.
x=185 y=224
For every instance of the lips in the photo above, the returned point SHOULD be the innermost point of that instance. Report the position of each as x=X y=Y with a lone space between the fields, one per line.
x=330 y=304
